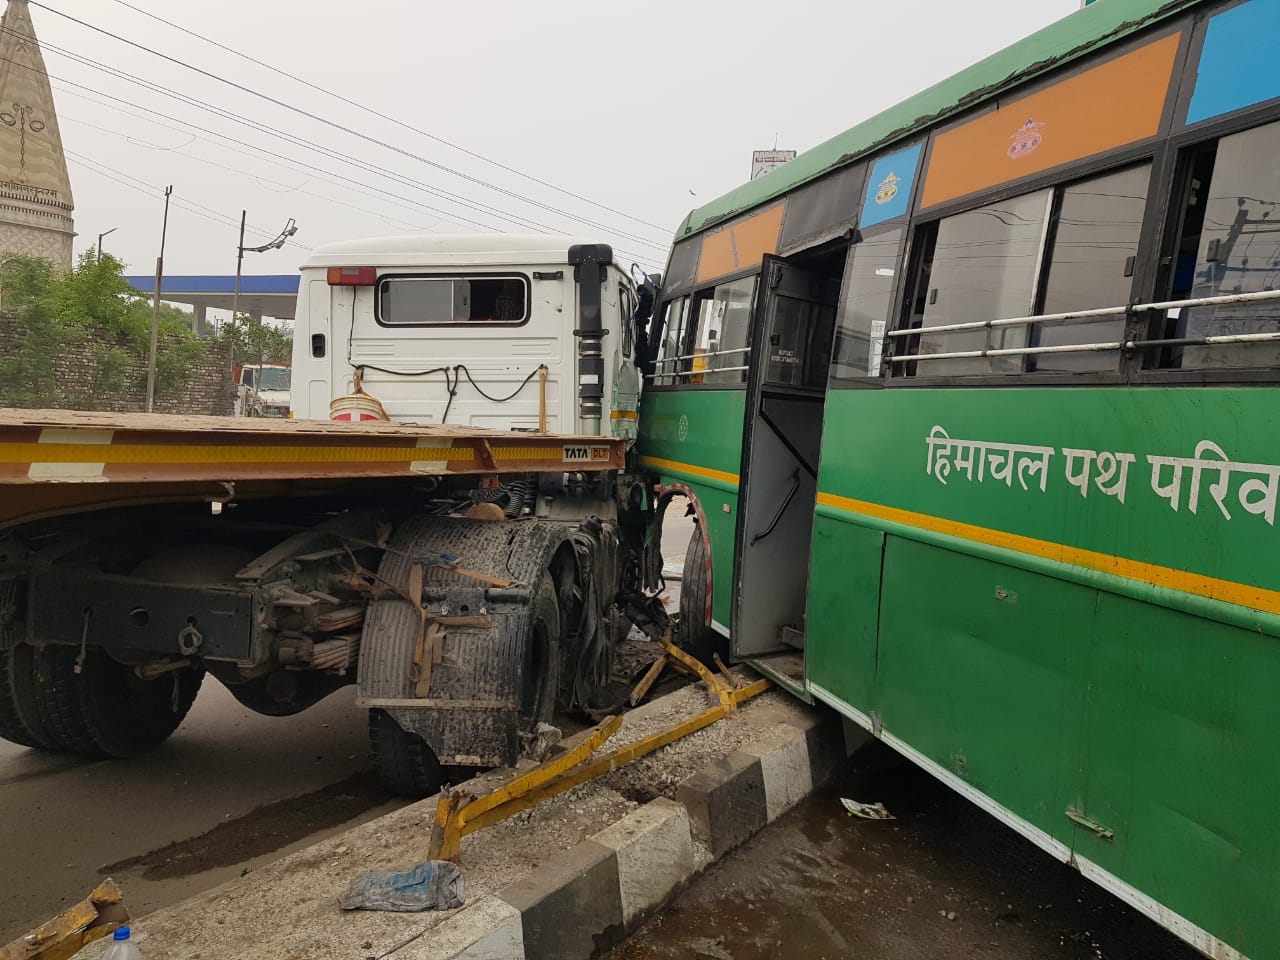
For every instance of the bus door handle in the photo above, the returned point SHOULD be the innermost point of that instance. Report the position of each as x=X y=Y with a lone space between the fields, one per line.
x=786 y=502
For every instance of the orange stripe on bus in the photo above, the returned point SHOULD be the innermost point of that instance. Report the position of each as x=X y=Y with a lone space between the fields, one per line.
x=740 y=245
x=1114 y=104
x=1256 y=598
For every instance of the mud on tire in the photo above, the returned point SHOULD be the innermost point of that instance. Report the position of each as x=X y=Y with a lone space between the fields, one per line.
x=405 y=764
x=694 y=633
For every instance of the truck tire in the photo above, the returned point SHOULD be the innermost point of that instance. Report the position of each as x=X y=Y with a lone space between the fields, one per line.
x=125 y=715
x=22 y=685
x=540 y=673
x=57 y=699
x=12 y=727
x=693 y=632
x=404 y=762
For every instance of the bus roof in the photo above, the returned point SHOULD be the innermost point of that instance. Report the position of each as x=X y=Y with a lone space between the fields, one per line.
x=1070 y=38
x=436 y=249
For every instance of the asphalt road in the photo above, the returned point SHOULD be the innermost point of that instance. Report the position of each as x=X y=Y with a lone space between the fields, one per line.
x=62 y=820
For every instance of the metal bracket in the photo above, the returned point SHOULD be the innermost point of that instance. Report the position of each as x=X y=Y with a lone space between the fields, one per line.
x=1093 y=826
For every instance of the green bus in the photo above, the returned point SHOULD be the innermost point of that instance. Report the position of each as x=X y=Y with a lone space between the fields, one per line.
x=975 y=405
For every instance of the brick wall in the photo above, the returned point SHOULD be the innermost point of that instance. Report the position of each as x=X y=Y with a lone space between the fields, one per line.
x=83 y=384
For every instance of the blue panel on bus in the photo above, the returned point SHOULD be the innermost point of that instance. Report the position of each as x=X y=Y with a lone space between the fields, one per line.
x=1239 y=66
x=889 y=186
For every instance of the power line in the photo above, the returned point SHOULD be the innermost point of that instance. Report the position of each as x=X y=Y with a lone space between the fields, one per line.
x=191 y=206
x=350 y=131
x=100 y=98
x=383 y=116
x=280 y=135
x=310 y=145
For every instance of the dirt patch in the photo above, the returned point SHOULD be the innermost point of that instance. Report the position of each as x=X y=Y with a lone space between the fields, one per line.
x=262 y=831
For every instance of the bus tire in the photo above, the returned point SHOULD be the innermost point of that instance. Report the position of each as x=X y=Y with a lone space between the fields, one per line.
x=404 y=762
x=125 y=715
x=693 y=632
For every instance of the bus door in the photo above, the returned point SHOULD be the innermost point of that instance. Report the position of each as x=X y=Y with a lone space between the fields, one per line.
x=792 y=333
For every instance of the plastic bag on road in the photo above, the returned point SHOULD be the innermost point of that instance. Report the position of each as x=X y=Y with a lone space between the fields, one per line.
x=434 y=885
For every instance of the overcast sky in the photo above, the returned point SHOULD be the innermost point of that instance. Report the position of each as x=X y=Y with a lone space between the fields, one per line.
x=649 y=110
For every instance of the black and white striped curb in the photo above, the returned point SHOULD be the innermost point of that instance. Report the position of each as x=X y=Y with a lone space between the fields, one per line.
x=588 y=899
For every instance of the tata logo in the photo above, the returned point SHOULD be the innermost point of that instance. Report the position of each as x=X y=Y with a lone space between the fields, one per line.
x=585 y=453
x=1027 y=140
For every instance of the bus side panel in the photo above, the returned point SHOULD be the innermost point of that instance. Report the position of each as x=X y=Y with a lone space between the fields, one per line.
x=844 y=597
x=980 y=669
x=694 y=438
x=1179 y=763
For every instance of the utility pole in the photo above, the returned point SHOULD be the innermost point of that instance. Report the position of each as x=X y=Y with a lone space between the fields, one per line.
x=235 y=298
x=105 y=233
x=289 y=230
x=155 y=306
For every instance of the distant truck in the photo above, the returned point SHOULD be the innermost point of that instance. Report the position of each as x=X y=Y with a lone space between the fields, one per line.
x=262 y=389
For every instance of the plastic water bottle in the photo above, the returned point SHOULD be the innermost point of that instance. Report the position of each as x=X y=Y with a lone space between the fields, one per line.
x=122 y=948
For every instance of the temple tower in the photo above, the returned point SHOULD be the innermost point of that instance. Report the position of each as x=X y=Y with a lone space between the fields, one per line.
x=35 y=191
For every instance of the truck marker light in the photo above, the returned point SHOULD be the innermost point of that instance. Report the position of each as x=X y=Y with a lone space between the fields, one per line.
x=353 y=276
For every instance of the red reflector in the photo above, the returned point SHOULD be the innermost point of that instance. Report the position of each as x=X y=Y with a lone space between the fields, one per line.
x=353 y=276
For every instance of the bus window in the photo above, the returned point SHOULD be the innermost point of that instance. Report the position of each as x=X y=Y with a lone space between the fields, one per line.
x=1237 y=244
x=724 y=326
x=673 y=323
x=1095 y=237
x=871 y=276
x=984 y=267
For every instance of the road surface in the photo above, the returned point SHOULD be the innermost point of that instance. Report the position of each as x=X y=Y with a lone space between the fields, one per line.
x=62 y=820
x=943 y=880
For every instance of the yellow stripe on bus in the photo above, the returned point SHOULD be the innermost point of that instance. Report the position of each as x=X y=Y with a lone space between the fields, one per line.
x=1213 y=588
x=1256 y=598
x=704 y=472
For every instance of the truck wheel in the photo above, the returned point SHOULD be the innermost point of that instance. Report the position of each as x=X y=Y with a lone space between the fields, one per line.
x=12 y=726
x=694 y=632
x=540 y=672
x=22 y=685
x=404 y=762
x=125 y=715
x=57 y=699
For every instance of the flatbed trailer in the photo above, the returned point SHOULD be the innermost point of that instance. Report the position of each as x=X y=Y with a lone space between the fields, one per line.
x=471 y=582
x=59 y=461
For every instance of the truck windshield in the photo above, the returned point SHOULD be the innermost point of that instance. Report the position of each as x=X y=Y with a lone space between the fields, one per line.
x=274 y=378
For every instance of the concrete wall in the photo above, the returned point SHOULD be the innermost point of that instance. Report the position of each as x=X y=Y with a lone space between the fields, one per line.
x=84 y=383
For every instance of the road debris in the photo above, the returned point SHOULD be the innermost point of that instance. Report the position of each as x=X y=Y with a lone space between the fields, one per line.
x=866 y=811
x=433 y=885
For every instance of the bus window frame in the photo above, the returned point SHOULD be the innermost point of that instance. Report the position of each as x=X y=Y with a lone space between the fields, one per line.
x=707 y=291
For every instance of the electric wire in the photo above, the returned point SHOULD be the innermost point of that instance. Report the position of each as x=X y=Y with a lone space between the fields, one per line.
x=191 y=206
x=305 y=144
x=350 y=131
x=382 y=116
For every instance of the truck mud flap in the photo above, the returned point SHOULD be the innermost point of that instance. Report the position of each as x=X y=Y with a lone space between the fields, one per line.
x=469 y=712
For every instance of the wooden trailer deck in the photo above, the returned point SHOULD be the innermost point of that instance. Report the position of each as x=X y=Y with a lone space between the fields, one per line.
x=57 y=461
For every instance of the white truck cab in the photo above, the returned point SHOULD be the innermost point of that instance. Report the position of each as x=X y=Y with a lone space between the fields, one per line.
x=455 y=329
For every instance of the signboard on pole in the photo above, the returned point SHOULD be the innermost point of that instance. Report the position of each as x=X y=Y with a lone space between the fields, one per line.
x=762 y=161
